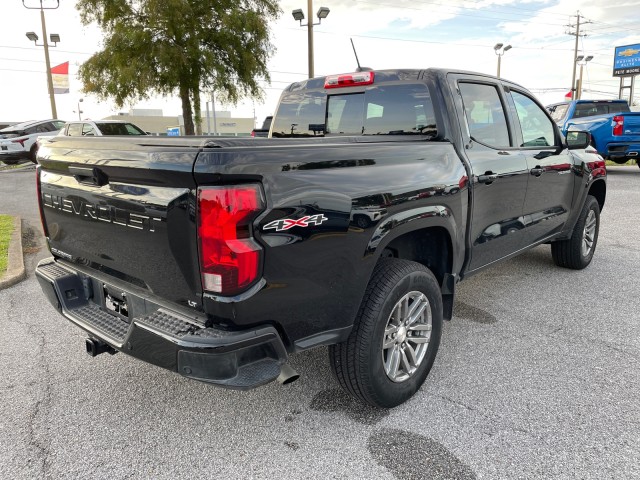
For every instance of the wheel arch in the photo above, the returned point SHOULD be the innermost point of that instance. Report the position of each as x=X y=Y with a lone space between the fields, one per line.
x=431 y=246
x=598 y=189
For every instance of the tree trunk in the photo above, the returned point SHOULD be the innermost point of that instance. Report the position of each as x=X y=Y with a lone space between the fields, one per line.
x=197 y=108
x=187 y=113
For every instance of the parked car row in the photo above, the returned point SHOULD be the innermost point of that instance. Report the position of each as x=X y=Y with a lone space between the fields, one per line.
x=19 y=142
x=23 y=140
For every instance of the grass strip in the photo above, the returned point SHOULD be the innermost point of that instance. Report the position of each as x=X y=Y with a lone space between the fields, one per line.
x=6 y=227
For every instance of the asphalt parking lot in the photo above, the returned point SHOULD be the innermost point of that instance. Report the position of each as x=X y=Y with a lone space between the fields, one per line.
x=538 y=376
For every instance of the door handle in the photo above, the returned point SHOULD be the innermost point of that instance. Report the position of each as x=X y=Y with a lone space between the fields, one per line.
x=537 y=170
x=488 y=178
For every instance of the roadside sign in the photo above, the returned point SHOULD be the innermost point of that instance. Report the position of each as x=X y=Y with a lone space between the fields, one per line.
x=626 y=60
x=173 y=131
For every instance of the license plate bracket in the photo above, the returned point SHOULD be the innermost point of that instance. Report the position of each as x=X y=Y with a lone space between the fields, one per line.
x=115 y=302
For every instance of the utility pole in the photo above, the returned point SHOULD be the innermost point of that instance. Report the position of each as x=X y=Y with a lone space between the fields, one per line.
x=577 y=34
x=31 y=35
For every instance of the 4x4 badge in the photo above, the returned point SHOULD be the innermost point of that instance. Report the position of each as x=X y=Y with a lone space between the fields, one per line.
x=287 y=223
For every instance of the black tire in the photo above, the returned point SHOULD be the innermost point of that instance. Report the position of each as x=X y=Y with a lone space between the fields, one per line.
x=10 y=162
x=362 y=221
x=33 y=153
x=570 y=253
x=358 y=363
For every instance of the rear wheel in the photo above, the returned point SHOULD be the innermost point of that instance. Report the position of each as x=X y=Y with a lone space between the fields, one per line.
x=576 y=253
x=33 y=153
x=10 y=162
x=395 y=337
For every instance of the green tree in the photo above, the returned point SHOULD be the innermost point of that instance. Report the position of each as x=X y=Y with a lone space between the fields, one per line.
x=179 y=46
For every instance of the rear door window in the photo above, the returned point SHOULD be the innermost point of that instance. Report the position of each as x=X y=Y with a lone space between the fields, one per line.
x=485 y=114
x=75 y=130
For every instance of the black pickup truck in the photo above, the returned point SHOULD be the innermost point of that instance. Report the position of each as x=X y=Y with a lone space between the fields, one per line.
x=218 y=258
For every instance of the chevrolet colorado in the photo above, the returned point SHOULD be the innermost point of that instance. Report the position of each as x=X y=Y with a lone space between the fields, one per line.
x=218 y=258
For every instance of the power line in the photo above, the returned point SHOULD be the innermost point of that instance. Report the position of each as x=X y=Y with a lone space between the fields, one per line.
x=456 y=11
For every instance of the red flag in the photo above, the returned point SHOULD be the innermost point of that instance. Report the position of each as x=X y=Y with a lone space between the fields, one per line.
x=60 y=77
x=568 y=95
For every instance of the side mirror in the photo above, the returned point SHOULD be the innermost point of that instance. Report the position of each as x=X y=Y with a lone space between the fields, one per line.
x=578 y=140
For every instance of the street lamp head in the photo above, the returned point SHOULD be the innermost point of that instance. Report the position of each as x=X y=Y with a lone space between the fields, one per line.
x=32 y=36
x=323 y=12
x=298 y=14
x=589 y=58
x=508 y=47
x=55 y=38
x=497 y=46
x=579 y=58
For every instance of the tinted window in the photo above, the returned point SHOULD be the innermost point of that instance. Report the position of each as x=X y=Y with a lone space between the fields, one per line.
x=485 y=114
x=537 y=129
x=58 y=124
x=590 y=109
x=384 y=110
x=119 y=129
x=558 y=112
x=300 y=115
x=75 y=130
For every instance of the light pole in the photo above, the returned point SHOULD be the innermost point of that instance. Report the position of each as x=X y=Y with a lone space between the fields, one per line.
x=55 y=38
x=298 y=15
x=80 y=112
x=582 y=61
x=499 y=50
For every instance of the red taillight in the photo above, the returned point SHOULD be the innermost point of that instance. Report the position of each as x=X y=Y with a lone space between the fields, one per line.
x=253 y=133
x=20 y=141
x=349 y=80
x=39 y=193
x=598 y=168
x=229 y=256
x=618 y=124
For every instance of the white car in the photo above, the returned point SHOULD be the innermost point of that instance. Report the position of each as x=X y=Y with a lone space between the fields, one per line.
x=18 y=142
x=98 y=128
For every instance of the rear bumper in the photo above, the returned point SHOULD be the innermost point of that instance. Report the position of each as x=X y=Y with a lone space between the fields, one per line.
x=623 y=150
x=164 y=337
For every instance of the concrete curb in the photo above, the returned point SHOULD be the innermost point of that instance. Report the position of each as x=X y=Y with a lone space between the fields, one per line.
x=15 y=267
x=22 y=168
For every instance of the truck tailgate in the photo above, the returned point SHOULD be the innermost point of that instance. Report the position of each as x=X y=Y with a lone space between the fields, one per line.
x=126 y=209
x=631 y=124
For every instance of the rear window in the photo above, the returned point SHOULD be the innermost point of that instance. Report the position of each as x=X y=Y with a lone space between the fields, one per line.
x=558 y=112
x=590 y=109
x=379 y=110
x=119 y=129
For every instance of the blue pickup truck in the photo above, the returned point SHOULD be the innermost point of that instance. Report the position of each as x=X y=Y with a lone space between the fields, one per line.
x=615 y=130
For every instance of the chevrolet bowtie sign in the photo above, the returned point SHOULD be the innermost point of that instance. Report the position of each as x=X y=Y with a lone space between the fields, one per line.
x=626 y=60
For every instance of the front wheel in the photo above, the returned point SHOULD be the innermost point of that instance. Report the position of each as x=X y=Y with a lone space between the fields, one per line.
x=576 y=252
x=395 y=337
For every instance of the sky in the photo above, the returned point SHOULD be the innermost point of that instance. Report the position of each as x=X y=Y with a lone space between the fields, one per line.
x=457 y=34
